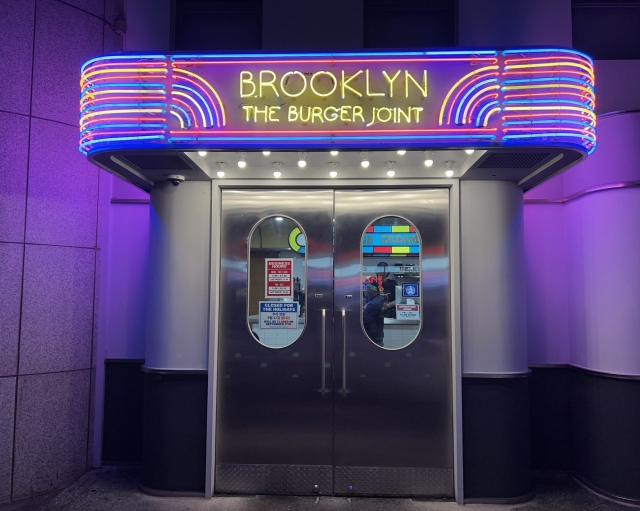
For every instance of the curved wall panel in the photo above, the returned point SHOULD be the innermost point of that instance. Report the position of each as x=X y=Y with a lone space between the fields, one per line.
x=178 y=299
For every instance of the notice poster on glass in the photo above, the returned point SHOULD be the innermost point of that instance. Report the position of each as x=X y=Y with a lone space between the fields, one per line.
x=408 y=312
x=279 y=314
x=278 y=278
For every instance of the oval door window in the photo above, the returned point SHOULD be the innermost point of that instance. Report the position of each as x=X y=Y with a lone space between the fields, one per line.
x=277 y=282
x=391 y=290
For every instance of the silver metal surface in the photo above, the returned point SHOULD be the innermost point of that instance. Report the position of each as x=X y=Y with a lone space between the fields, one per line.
x=275 y=479
x=400 y=407
x=344 y=351
x=323 y=380
x=398 y=418
x=269 y=410
x=397 y=481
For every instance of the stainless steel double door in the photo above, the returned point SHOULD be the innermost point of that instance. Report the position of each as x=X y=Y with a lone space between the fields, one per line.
x=334 y=413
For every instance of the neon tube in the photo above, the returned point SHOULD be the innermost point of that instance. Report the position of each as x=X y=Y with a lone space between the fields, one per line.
x=224 y=117
x=482 y=110
x=206 y=93
x=469 y=75
x=188 y=107
x=135 y=70
x=123 y=139
x=453 y=103
x=120 y=57
x=204 y=101
x=184 y=112
x=178 y=93
x=493 y=80
x=478 y=103
x=475 y=96
x=547 y=50
x=173 y=112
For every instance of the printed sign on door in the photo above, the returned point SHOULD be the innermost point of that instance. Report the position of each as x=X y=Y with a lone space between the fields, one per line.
x=408 y=312
x=278 y=278
x=279 y=314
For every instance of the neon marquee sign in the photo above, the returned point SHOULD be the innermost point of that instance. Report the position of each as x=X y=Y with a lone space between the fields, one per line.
x=477 y=98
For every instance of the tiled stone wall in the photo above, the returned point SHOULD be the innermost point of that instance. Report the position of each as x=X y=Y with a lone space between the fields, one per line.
x=49 y=203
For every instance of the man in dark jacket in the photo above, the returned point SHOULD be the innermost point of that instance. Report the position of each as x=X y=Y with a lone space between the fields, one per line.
x=373 y=316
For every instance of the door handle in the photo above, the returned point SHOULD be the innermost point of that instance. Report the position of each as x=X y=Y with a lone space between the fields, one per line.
x=344 y=353
x=323 y=379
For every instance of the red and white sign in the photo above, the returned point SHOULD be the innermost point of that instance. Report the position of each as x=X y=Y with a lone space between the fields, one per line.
x=278 y=278
x=405 y=311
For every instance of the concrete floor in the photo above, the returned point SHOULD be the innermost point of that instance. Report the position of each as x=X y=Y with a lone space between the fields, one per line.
x=112 y=488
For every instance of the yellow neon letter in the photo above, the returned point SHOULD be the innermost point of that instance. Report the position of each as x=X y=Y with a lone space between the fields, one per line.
x=257 y=112
x=390 y=81
x=270 y=83
x=345 y=82
x=293 y=113
x=417 y=110
x=333 y=79
x=369 y=93
x=317 y=112
x=344 y=113
x=247 y=109
x=331 y=116
x=272 y=113
x=422 y=88
x=357 y=112
x=388 y=113
x=284 y=80
x=406 y=115
x=249 y=80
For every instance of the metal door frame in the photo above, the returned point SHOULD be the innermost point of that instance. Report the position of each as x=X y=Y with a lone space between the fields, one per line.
x=456 y=324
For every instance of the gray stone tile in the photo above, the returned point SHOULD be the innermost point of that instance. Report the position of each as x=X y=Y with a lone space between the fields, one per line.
x=7 y=409
x=14 y=151
x=51 y=432
x=63 y=188
x=75 y=35
x=93 y=6
x=16 y=51
x=57 y=309
x=92 y=422
x=10 y=284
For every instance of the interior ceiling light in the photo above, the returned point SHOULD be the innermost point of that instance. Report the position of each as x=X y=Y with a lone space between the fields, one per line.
x=241 y=160
x=429 y=158
x=278 y=219
x=391 y=166
x=301 y=160
x=220 y=173
x=469 y=151
x=202 y=153
x=266 y=153
x=276 y=167
x=333 y=173
x=334 y=153
x=220 y=165
x=333 y=166
x=365 y=159
x=449 y=172
x=402 y=152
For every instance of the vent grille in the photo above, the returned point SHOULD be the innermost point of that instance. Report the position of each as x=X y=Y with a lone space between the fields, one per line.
x=512 y=160
x=157 y=161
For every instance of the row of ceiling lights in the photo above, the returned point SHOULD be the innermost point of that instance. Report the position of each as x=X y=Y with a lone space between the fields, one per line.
x=302 y=162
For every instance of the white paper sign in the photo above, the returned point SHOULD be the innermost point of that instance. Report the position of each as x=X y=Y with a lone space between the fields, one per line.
x=279 y=314
x=406 y=311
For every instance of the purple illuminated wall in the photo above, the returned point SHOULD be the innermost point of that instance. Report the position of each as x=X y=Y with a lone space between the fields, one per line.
x=582 y=233
x=49 y=246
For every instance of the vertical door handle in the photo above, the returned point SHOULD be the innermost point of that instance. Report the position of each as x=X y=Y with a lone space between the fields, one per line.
x=344 y=353
x=323 y=379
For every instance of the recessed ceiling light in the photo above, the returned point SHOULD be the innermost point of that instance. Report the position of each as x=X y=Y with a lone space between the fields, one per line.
x=266 y=153
x=449 y=171
x=429 y=158
x=469 y=151
x=276 y=174
x=333 y=173
x=202 y=153
x=334 y=153
x=391 y=165
x=301 y=160
x=391 y=173
x=220 y=173
x=365 y=159
x=241 y=160
x=402 y=152
x=220 y=165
